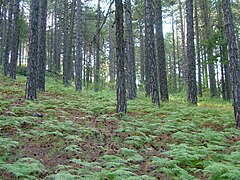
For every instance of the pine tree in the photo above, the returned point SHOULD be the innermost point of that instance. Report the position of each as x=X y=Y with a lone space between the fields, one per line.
x=31 y=84
x=97 y=65
x=151 y=52
x=78 y=63
x=192 y=86
x=121 y=84
x=15 y=40
x=130 y=54
x=233 y=58
x=161 y=53
x=42 y=44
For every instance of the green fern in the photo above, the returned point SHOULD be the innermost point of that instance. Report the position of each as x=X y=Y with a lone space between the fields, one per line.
x=131 y=155
x=87 y=164
x=73 y=149
x=25 y=168
x=185 y=154
x=121 y=173
x=221 y=171
x=170 y=168
x=112 y=158
x=73 y=138
x=6 y=144
x=63 y=175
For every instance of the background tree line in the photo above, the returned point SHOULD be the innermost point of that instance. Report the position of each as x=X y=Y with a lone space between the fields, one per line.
x=124 y=47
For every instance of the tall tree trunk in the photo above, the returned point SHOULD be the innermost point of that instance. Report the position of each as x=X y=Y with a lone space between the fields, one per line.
x=78 y=63
x=142 y=65
x=233 y=58
x=147 y=68
x=2 y=30
x=8 y=39
x=204 y=63
x=20 y=52
x=23 y=54
x=198 y=51
x=15 y=40
x=130 y=54
x=65 y=45
x=57 y=37
x=121 y=84
x=111 y=53
x=84 y=69
x=184 y=58
x=174 y=57
x=179 y=65
x=88 y=68
x=97 y=65
x=151 y=52
x=225 y=76
x=31 y=84
x=192 y=86
x=161 y=53
x=211 y=65
x=70 y=41
x=42 y=44
x=51 y=49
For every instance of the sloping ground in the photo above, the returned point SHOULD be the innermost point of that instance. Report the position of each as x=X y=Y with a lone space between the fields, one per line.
x=69 y=135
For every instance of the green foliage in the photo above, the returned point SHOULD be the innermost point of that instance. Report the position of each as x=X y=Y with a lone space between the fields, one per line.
x=6 y=144
x=21 y=70
x=28 y=168
x=219 y=170
x=171 y=168
x=86 y=164
x=63 y=175
x=85 y=139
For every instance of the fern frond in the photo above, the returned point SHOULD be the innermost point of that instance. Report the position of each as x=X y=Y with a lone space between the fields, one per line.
x=25 y=168
x=86 y=164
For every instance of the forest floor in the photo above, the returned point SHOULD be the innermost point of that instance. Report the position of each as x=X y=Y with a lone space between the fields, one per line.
x=69 y=135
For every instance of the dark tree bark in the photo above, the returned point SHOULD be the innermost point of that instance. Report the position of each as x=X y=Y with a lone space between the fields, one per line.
x=97 y=64
x=192 y=86
x=78 y=63
x=142 y=65
x=174 y=57
x=233 y=58
x=147 y=68
x=88 y=68
x=20 y=52
x=130 y=54
x=184 y=58
x=23 y=54
x=8 y=39
x=42 y=44
x=161 y=54
x=179 y=66
x=111 y=53
x=204 y=63
x=198 y=50
x=51 y=46
x=31 y=84
x=15 y=40
x=225 y=76
x=3 y=18
x=70 y=42
x=84 y=69
x=57 y=38
x=211 y=65
x=121 y=84
x=66 y=45
x=151 y=52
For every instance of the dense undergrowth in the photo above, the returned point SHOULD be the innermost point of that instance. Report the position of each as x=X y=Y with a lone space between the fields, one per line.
x=69 y=135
